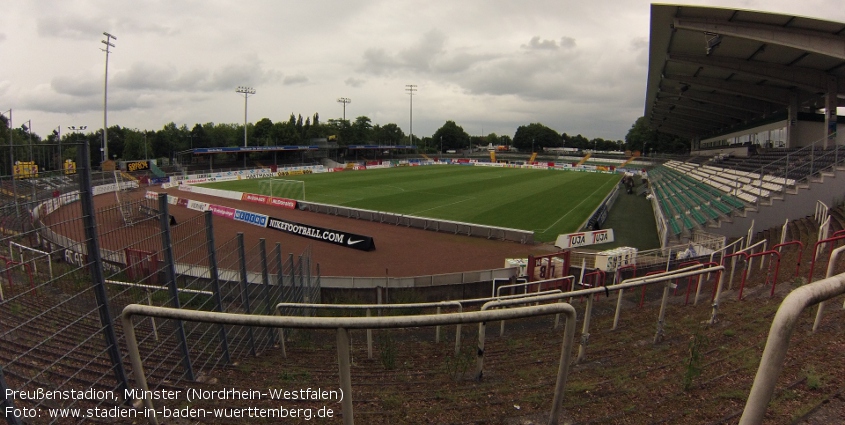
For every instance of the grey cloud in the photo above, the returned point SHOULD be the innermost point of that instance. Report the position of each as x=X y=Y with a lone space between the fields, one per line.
x=79 y=85
x=74 y=27
x=536 y=43
x=293 y=80
x=421 y=56
x=89 y=27
x=354 y=82
x=539 y=44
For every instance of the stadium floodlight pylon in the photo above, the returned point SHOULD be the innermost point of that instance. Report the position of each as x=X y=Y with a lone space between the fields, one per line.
x=283 y=188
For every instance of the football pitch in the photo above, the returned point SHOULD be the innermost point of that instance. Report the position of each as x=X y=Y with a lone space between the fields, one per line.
x=548 y=202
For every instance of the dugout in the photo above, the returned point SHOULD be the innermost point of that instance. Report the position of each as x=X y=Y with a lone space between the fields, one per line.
x=375 y=152
x=262 y=156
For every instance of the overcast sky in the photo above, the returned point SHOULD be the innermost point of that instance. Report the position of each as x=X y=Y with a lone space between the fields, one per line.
x=576 y=66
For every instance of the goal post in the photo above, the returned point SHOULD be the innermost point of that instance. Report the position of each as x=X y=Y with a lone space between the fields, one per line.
x=283 y=188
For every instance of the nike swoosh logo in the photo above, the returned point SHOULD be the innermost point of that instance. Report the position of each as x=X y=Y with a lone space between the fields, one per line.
x=351 y=242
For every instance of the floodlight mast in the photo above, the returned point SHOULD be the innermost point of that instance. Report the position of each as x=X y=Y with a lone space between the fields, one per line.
x=345 y=101
x=105 y=149
x=246 y=91
x=411 y=88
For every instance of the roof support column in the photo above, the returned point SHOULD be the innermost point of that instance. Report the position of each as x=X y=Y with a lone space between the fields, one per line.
x=830 y=104
x=792 y=121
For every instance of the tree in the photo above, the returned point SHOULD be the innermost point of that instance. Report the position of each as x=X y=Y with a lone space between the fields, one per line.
x=536 y=136
x=388 y=134
x=642 y=135
x=263 y=131
x=362 y=129
x=451 y=136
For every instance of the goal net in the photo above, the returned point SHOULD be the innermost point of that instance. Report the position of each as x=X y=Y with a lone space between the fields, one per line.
x=281 y=188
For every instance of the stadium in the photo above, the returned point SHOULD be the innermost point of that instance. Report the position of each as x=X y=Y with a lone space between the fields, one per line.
x=568 y=286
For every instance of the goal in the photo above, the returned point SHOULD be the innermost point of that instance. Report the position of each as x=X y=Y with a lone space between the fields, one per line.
x=281 y=188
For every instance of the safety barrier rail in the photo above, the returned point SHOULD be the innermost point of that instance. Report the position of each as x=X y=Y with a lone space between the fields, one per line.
x=774 y=354
x=342 y=325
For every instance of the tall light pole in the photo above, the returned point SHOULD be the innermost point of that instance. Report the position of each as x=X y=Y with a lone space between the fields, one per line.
x=28 y=128
x=59 y=137
x=345 y=101
x=411 y=88
x=105 y=148
x=246 y=91
x=11 y=150
x=75 y=129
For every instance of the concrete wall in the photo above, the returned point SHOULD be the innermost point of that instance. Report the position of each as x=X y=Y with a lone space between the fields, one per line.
x=830 y=191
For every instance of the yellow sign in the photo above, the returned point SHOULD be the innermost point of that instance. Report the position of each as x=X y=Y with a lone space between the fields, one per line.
x=25 y=170
x=69 y=167
x=137 y=165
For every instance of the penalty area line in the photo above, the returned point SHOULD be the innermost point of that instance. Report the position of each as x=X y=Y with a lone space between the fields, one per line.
x=570 y=212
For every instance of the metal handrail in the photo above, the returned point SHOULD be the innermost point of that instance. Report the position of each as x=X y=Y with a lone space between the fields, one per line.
x=342 y=325
x=369 y=307
x=774 y=354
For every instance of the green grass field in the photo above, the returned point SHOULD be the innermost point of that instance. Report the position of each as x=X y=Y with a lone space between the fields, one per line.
x=548 y=202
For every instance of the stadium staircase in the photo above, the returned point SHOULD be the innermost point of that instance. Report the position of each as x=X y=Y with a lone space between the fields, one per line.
x=627 y=161
x=533 y=157
x=156 y=170
x=585 y=158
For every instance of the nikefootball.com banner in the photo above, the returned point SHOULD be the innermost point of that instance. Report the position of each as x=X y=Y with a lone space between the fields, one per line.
x=349 y=240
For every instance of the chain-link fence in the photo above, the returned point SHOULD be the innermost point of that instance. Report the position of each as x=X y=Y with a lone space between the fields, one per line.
x=70 y=261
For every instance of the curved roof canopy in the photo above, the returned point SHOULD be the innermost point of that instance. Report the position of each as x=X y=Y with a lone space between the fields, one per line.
x=713 y=71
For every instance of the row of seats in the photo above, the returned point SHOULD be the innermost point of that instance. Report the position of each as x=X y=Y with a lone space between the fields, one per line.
x=745 y=185
x=687 y=203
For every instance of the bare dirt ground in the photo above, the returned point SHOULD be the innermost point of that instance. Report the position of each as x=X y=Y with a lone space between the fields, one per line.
x=400 y=251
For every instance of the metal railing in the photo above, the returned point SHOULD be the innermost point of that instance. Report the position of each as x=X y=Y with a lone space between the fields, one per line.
x=342 y=325
x=774 y=354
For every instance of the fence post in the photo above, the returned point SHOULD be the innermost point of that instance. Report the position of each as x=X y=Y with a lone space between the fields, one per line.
x=293 y=297
x=95 y=264
x=214 y=276
x=170 y=276
x=7 y=401
x=245 y=290
x=265 y=276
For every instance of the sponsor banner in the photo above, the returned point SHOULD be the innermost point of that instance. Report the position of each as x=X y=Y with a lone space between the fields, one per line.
x=574 y=240
x=184 y=188
x=251 y=218
x=336 y=237
x=290 y=172
x=258 y=199
x=159 y=180
x=172 y=200
x=137 y=166
x=222 y=211
x=197 y=205
x=151 y=195
x=282 y=203
x=182 y=202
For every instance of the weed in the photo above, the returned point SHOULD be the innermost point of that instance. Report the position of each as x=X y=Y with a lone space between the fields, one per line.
x=736 y=394
x=695 y=359
x=729 y=332
x=387 y=351
x=457 y=365
x=814 y=380
x=391 y=402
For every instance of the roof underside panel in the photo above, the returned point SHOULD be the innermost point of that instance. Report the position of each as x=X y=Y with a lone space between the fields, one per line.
x=753 y=67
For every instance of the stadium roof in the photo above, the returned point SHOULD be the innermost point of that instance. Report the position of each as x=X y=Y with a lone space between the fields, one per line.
x=713 y=70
